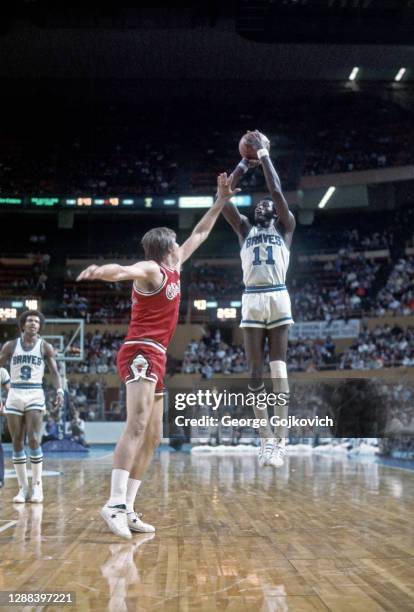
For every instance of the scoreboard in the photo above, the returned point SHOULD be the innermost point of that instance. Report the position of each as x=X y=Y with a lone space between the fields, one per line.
x=217 y=310
x=113 y=202
x=11 y=309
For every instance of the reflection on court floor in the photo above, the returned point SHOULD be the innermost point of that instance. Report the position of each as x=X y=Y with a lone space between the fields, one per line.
x=320 y=533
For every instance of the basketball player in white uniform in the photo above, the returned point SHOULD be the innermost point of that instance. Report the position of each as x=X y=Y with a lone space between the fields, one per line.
x=25 y=404
x=4 y=384
x=266 y=310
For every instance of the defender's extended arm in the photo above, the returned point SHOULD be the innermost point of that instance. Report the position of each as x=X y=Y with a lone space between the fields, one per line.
x=206 y=224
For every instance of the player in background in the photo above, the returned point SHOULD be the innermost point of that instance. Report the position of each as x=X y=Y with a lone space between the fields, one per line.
x=142 y=358
x=25 y=404
x=4 y=384
x=266 y=309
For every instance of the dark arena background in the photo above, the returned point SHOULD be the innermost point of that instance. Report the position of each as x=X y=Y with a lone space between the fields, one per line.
x=117 y=120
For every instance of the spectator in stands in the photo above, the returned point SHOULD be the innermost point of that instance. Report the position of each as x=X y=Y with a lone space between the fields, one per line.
x=51 y=429
x=397 y=297
x=212 y=355
x=383 y=347
x=76 y=429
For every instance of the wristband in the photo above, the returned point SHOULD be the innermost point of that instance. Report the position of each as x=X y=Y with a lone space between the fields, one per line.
x=262 y=153
x=61 y=391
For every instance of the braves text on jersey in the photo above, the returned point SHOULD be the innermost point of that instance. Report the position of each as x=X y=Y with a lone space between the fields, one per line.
x=27 y=367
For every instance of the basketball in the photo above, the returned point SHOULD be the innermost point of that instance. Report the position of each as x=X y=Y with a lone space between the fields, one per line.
x=245 y=148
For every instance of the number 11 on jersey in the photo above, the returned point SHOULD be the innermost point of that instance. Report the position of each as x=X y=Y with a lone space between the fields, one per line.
x=269 y=261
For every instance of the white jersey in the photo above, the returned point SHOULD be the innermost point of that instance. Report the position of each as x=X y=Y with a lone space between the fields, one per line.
x=4 y=376
x=4 y=380
x=27 y=367
x=264 y=257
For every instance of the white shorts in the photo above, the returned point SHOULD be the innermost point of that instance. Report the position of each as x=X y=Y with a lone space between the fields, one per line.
x=20 y=401
x=266 y=309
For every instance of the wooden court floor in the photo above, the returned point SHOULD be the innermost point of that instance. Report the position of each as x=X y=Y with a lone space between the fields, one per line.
x=318 y=534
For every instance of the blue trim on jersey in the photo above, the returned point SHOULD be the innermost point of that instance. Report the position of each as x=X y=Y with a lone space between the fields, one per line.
x=30 y=349
x=264 y=288
x=6 y=382
x=26 y=386
x=33 y=405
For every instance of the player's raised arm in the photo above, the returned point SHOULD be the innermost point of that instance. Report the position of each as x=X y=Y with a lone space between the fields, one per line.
x=286 y=218
x=147 y=271
x=206 y=223
x=238 y=222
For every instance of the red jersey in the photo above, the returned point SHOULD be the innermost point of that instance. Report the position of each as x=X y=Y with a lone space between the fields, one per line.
x=154 y=314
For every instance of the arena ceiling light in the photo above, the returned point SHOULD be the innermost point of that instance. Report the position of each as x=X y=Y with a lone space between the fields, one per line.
x=354 y=73
x=326 y=197
x=400 y=74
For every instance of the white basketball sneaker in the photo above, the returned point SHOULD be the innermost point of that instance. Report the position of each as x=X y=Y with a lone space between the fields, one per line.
x=136 y=524
x=277 y=458
x=116 y=519
x=37 y=494
x=22 y=497
x=266 y=450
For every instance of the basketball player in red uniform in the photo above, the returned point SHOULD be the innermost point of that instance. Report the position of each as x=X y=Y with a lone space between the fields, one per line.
x=142 y=358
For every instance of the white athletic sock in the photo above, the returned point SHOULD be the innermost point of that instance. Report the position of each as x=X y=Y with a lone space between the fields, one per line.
x=22 y=479
x=19 y=462
x=278 y=371
x=36 y=462
x=119 y=484
x=37 y=473
x=132 y=490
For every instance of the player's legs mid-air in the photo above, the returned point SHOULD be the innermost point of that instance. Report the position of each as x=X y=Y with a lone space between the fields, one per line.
x=273 y=441
x=133 y=453
x=254 y=344
x=278 y=343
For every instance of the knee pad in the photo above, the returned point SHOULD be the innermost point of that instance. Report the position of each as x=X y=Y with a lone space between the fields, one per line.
x=278 y=369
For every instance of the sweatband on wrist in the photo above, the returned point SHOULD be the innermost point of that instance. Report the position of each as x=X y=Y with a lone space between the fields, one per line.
x=262 y=153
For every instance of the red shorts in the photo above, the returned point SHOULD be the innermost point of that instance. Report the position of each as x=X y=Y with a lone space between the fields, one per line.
x=141 y=359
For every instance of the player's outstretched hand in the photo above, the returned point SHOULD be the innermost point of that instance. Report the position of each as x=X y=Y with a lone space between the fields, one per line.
x=224 y=190
x=257 y=140
x=88 y=273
